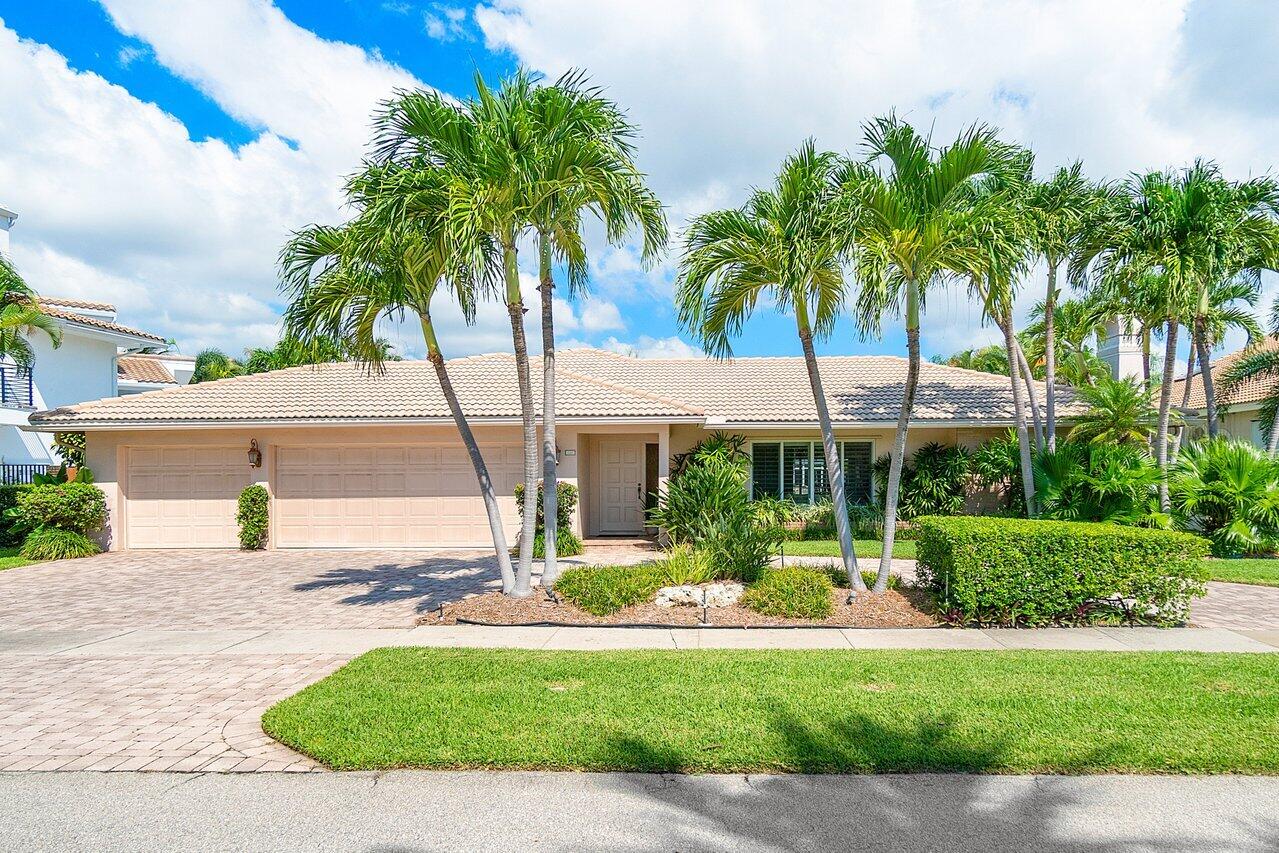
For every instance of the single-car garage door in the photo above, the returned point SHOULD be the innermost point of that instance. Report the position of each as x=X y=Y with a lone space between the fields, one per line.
x=183 y=497
x=419 y=496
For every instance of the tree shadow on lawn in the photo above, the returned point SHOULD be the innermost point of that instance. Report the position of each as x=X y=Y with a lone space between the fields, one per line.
x=430 y=582
x=912 y=807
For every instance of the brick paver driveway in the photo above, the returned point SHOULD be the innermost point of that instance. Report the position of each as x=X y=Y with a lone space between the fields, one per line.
x=229 y=589
x=198 y=712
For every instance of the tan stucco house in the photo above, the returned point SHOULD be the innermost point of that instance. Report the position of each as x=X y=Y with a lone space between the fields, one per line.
x=359 y=460
x=1238 y=409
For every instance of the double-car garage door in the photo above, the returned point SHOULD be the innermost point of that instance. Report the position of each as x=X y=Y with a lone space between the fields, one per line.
x=400 y=496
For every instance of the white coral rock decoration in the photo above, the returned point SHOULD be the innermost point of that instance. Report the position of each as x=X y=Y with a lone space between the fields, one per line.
x=713 y=595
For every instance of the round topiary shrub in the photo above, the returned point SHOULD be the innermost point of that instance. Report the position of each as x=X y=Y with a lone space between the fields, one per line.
x=77 y=507
x=253 y=516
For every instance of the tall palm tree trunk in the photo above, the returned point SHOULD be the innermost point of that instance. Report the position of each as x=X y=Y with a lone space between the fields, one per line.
x=834 y=465
x=1165 y=405
x=1272 y=442
x=893 y=488
x=1050 y=357
x=1145 y=356
x=515 y=307
x=1019 y=416
x=473 y=451
x=1032 y=397
x=550 y=484
x=1185 y=401
x=1200 y=344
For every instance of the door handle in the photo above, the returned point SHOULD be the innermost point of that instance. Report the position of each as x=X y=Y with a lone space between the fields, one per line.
x=639 y=491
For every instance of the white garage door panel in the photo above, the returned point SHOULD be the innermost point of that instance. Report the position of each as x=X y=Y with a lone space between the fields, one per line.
x=184 y=497
x=389 y=497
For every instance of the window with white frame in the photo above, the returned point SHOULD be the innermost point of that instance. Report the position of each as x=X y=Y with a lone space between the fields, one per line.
x=796 y=470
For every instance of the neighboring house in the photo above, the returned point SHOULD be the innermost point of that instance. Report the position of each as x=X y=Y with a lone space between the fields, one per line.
x=87 y=366
x=1237 y=410
x=152 y=372
x=373 y=461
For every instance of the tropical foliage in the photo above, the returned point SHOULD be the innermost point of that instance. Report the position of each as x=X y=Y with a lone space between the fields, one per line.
x=1228 y=491
x=1119 y=412
x=1117 y=483
x=934 y=482
x=21 y=317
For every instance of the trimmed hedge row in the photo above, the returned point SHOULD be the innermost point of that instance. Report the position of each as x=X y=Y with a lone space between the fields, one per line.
x=1020 y=572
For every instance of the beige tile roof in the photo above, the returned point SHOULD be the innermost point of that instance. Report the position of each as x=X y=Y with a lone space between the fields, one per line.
x=95 y=322
x=62 y=302
x=1252 y=391
x=859 y=389
x=141 y=368
x=592 y=383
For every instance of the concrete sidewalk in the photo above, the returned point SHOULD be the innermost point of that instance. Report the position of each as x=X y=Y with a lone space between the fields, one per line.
x=353 y=641
x=409 y=811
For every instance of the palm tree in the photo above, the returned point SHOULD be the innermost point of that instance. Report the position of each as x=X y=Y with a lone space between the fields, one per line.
x=1119 y=412
x=1262 y=363
x=290 y=351
x=21 y=317
x=342 y=280
x=987 y=359
x=1057 y=214
x=1174 y=234
x=789 y=243
x=914 y=227
x=212 y=364
x=586 y=165
x=1076 y=323
x=1005 y=249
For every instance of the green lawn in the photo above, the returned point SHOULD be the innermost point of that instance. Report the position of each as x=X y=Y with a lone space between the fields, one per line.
x=9 y=559
x=791 y=711
x=1262 y=570
x=864 y=547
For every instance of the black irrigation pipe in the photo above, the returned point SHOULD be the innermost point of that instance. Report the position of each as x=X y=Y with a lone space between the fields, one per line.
x=464 y=621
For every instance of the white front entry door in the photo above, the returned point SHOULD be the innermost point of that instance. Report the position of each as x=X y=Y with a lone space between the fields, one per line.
x=622 y=487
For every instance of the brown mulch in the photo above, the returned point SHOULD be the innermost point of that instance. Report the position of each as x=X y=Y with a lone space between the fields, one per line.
x=904 y=608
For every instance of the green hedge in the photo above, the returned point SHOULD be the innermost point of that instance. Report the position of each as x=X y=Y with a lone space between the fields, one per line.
x=1018 y=572
x=252 y=514
x=602 y=590
x=9 y=534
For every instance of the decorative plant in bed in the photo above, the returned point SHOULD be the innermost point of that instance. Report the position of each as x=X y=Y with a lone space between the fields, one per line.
x=716 y=571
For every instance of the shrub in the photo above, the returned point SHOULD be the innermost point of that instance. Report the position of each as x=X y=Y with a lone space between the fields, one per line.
x=10 y=534
x=78 y=507
x=252 y=514
x=602 y=590
x=686 y=566
x=839 y=577
x=567 y=544
x=934 y=481
x=51 y=543
x=708 y=508
x=1227 y=491
x=996 y=465
x=1015 y=571
x=791 y=593
x=1097 y=482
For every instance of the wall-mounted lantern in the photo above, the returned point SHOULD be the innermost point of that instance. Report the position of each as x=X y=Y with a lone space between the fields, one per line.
x=255 y=455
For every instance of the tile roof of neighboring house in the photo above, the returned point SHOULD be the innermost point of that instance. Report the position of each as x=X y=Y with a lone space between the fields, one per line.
x=1251 y=391
x=77 y=303
x=95 y=322
x=592 y=383
x=141 y=368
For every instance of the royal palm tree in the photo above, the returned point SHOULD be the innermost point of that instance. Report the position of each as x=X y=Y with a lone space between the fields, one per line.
x=1178 y=231
x=21 y=317
x=1057 y=214
x=587 y=167
x=500 y=158
x=788 y=243
x=914 y=227
x=342 y=280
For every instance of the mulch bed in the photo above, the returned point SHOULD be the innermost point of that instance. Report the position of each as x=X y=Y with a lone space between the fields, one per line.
x=904 y=608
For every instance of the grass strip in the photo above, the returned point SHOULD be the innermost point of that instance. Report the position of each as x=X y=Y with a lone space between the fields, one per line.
x=791 y=711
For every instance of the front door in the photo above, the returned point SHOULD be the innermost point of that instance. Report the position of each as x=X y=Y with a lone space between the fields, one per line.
x=622 y=487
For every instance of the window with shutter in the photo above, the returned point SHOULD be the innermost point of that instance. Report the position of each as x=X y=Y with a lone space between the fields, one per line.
x=766 y=470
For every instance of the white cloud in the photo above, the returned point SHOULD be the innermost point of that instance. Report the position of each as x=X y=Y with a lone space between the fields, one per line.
x=130 y=54
x=722 y=90
x=649 y=347
x=445 y=23
x=600 y=316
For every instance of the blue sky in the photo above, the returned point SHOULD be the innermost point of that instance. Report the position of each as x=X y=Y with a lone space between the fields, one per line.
x=159 y=153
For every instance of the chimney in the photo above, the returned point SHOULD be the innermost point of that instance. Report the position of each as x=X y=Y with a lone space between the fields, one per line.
x=7 y=218
x=1121 y=350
